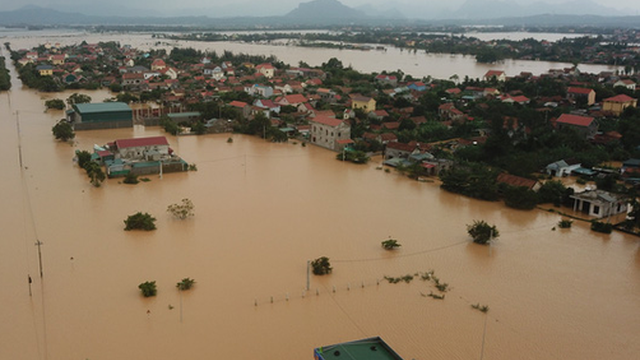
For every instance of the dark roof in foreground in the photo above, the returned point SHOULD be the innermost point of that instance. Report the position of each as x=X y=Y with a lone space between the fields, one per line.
x=366 y=349
x=102 y=107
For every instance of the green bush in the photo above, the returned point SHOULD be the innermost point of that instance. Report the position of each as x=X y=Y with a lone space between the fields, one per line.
x=601 y=227
x=321 y=266
x=481 y=232
x=130 y=179
x=63 y=131
x=148 y=288
x=185 y=284
x=140 y=221
x=565 y=224
x=56 y=104
x=390 y=244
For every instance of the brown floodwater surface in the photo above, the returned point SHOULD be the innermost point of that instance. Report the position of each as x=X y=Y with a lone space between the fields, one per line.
x=261 y=211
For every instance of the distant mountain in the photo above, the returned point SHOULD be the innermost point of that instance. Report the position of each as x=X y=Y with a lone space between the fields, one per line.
x=386 y=13
x=324 y=9
x=495 y=9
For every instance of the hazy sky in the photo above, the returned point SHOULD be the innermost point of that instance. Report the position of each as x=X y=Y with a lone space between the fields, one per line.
x=278 y=7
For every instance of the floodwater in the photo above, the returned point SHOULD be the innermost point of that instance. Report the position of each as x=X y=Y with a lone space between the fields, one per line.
x=263 y=210
x=419 y=64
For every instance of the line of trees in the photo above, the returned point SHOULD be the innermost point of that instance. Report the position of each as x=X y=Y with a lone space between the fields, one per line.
x=5 y=78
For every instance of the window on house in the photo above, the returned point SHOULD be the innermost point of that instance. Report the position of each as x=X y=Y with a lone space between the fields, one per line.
x=339 y=135
x=596 y=209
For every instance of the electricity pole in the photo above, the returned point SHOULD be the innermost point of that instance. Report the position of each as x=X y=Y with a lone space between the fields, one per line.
x=38 y=244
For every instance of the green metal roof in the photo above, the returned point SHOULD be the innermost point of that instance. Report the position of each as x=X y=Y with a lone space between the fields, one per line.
x=366 y=349
x=101 y=107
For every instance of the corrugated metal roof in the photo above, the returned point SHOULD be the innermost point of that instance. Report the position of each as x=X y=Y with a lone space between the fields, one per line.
x=147 y=141
x=101 y=107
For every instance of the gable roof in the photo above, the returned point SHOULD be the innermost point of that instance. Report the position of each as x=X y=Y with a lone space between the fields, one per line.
x=239 y=104
x=575 y=120
x=88 y=108
x=325 y=120
x=622 y=98
x=579 y=90
x=492 y=73
x=516 y=181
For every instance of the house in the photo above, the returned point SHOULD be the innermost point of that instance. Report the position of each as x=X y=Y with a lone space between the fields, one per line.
x=366 y=349
x=384 y=79
x=626 y=83
x=57 y=59
x=364 y=103
x=378 y=115
x=599 y=203
x=141 y=156
x=149 y=148
x=499 y=75
x=291 y=100
x=581 y=94
x=259 y=90
x=107 y=115
x=267 y=105
x=45 y=70
x=584 y=125
x=245 y=109
x=518 y=181
x=158 y=64
x=618 y=103
x=562 y=168
x=400 y=150
x=169 y=72
x=417 y=86
x=330 y=133
x=132 y=79
x=520 y=99
x=267 y=70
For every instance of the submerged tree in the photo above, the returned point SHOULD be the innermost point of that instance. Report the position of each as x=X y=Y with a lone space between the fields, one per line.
x=140 y=221
x=321 y=266
x=182 y=210
x=63 y=131
x=185 y=284
x=390 y=244
x=148 y=288
x=481 y=232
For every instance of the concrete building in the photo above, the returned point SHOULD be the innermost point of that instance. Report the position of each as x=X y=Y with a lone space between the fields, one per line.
x=599 y=203
x=330 y=133
x=94 y=116
x=617 y=104
x=364 y=103
x=584 y=125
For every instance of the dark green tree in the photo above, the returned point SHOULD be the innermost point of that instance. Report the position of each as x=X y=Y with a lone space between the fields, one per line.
x=148 y=288
x=140 y=221
x=56 y=104
x=321 y=266
x=481 y=232
x=63 y=131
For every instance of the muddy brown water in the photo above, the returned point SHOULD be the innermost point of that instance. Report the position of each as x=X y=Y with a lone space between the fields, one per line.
x=263 y=210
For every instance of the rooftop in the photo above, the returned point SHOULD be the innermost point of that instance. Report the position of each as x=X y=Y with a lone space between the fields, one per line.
x=146 y=141
x=101 y=107
x=366 y=349
x=575 y=120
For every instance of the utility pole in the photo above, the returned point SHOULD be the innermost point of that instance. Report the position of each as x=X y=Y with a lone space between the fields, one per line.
x=30 y=281
x=308 y=273
x=38 y=244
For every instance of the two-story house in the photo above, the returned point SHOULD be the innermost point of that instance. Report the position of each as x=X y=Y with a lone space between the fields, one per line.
x=330 y=133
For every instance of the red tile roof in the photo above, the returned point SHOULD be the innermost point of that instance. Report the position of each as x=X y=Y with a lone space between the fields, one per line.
x=576 y=120
x=147 y=141
x=239 y=104
x=517 y=181
x=325 y=120
x=622 y=98
x=577 y=90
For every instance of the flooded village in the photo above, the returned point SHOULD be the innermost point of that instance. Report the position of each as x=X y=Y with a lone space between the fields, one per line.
x=263 y=138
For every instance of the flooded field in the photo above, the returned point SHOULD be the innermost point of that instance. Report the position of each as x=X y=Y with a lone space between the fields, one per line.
x=263 y=210
x=418 y=65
